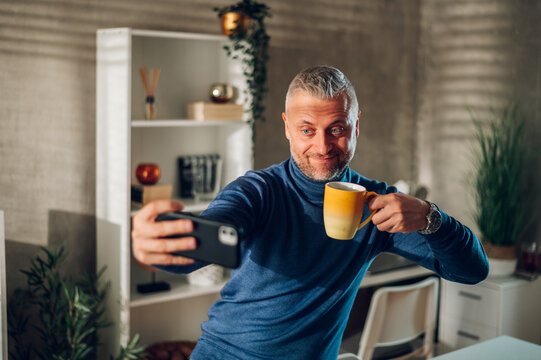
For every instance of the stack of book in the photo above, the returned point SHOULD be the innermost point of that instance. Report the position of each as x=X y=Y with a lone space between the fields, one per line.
x=200 y=175
x=211 y=111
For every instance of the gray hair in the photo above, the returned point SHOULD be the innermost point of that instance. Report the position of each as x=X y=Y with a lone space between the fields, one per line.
x=324 y=82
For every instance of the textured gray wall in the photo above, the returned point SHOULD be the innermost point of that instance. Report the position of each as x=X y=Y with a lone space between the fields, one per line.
x=480 y=54
x=47 y=98
x=374 y=43
x=411 y=63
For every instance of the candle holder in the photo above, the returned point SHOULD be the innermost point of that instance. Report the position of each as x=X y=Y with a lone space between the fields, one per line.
x=148 y=174
x=530 y=256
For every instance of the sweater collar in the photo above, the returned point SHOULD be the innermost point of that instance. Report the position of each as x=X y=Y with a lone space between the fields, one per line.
x=314 y=190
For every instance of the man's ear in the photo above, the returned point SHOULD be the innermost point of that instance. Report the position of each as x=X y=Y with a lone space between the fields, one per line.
x=286 y=128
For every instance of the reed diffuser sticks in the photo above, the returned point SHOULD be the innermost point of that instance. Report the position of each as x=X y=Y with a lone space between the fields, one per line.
x=150 y=85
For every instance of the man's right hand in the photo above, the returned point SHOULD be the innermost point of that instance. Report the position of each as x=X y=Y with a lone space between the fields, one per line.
x=148 y=244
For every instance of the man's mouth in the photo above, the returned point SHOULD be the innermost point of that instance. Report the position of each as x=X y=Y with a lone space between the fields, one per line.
x=324 y=159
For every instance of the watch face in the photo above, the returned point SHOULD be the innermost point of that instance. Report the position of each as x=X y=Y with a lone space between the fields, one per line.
x=435 y=220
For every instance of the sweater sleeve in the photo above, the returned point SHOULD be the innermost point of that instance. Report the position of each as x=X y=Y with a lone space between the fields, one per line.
x=240 y=204
x=453 y=252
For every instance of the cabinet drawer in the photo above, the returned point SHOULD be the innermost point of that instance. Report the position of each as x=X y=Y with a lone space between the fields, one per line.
x=473 y=303
x=456 y=334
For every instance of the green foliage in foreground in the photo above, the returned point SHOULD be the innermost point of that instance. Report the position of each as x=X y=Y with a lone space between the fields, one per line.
x=65 y=315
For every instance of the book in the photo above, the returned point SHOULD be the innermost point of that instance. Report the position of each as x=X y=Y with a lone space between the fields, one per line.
x=186 y=170
x=143 y=194
x=212 y=111
x=199 y=174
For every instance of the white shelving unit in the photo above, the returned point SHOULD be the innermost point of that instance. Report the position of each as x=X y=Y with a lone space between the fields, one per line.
x=180 y=289
x=190 y=63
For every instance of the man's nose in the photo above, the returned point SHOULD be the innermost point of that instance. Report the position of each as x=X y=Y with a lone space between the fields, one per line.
x=324 y=144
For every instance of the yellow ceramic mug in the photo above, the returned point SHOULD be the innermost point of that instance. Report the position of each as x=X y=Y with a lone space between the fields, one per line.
x=343 y=209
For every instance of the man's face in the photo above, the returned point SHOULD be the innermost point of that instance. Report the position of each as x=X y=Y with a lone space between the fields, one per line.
x=322 y=134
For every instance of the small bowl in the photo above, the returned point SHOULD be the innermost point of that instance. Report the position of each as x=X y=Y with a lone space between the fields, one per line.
x=221 y=93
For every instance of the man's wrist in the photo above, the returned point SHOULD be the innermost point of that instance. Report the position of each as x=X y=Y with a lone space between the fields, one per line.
x=433 y=220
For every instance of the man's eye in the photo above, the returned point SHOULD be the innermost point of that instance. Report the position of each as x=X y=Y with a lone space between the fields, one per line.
x=337 y=130
x=306 y=131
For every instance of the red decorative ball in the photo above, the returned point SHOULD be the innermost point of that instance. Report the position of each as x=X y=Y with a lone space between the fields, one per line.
x=147 y=174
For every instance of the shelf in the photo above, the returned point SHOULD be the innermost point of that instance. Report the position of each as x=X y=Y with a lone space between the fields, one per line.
x=180 y=289
x=185 y=123
x=190 y=205
x=175 y=35
x=394 y=275
x=189 y=63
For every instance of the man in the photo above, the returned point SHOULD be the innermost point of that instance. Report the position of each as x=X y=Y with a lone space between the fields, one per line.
x=291 y=296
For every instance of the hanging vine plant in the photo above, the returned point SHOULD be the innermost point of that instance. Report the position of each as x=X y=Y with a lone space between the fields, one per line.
x=244 y=23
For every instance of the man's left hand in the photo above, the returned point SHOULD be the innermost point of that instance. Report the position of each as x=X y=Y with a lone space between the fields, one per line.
x=398 y=213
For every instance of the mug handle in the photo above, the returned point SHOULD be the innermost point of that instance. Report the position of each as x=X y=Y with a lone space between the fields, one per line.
x=368 y=194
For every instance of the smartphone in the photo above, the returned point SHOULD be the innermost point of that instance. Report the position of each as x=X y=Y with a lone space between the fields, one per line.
x=217 y=242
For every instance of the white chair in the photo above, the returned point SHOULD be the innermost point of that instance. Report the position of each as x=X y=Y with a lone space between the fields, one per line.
x=398 y=315
x=348 y=356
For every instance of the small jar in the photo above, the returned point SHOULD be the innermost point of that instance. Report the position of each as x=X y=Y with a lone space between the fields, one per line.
x=530 y=256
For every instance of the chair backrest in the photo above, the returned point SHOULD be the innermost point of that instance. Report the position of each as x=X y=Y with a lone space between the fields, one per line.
x=399 y=314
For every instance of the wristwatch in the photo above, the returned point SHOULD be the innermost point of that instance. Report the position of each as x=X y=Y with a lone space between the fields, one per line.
x=433 y=220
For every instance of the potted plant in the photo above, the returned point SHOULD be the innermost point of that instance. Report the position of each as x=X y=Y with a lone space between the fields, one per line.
x=244 y=23
x=503 y=201
x=66 y=315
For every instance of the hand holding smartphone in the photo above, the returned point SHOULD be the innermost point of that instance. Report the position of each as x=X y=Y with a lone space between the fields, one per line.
x=217 y=243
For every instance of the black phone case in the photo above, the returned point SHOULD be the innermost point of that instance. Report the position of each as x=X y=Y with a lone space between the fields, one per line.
x=217 y=243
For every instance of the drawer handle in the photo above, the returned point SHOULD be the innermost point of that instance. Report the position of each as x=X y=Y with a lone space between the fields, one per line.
x=469 y=295
x=468 y=335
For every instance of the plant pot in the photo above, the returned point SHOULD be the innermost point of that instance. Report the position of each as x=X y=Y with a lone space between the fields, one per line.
x=231 y=20
x=501 y=267
x=502 y=260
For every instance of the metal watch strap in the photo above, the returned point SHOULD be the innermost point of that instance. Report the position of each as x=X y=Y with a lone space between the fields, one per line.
x=433 y=220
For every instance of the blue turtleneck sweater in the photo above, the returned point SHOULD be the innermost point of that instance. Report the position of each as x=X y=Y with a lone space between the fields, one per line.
x=291 y=296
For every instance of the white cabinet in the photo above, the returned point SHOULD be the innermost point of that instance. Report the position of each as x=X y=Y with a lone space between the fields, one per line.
x=498 y=306
x=189 y=64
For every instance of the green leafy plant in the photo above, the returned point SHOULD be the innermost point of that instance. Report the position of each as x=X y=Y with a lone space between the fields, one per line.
x=500 y=182
x=251 y=47
x=66 y=315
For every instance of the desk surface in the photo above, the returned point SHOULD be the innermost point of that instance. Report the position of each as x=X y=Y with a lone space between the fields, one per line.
x=500 y=348
x=391 y=276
